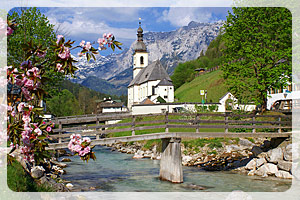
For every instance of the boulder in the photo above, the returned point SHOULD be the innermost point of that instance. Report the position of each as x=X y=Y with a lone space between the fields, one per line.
x=284 y=165
x=290 y=152
x=69 y=186
x=37 y=172
x=66 y=160
x=251 y=173
x=246 y=143
x=275 y=155
x=256 y=151
x=186 y=159
x=260 y=162
x=138 y=154
x=283 y=174
x=251 y=165
x=231 y=148
x=61 y=165
x=268 y=168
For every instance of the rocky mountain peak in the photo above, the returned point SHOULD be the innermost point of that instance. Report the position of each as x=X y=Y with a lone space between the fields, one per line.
x=170 y=48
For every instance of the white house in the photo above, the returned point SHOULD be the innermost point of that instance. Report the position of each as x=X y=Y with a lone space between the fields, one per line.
x=150 y=81
x=284 y=98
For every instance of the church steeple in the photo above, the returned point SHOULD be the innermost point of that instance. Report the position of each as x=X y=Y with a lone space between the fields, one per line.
x=140 y=56
x=140 y=45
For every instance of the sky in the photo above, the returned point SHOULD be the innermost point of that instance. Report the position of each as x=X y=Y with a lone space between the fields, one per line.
x=89 y=23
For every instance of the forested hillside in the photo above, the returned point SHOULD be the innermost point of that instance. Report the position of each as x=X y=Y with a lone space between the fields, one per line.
x=75 y=99
x=185 y=72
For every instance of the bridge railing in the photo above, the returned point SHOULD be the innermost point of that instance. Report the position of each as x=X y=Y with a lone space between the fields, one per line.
x=171 y=122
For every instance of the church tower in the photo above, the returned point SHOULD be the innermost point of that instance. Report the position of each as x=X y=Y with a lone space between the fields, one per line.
x=140 y=56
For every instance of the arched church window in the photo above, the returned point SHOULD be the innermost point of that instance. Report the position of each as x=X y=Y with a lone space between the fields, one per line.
x=142 y=60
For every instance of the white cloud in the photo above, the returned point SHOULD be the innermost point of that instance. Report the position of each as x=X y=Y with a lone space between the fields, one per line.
x=181 y=16
x=93 y=21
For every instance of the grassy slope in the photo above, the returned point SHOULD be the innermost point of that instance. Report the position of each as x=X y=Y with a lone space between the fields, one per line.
x=212 y=82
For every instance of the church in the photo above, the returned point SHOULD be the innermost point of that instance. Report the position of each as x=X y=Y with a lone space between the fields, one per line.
x=151 y=83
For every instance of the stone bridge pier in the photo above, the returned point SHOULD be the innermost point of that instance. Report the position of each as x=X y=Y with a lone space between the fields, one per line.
x=170 y=163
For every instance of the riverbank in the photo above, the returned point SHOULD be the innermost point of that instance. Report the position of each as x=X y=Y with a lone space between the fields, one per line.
x=253 y=157
x=42 y=178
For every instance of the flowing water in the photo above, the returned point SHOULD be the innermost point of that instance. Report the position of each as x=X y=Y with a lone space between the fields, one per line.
x=118 y=172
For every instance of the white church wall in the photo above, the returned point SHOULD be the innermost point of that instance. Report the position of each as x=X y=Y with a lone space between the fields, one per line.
x=137 y=65
x=130 y=97
x=166 y=92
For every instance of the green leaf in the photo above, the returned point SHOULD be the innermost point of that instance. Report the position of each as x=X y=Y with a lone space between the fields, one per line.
x=88 y=57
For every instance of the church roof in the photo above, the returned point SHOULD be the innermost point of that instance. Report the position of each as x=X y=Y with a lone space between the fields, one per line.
x=154 y=71
x=165 y=82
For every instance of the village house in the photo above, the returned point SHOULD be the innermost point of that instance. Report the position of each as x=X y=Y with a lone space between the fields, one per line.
x=151 y=83
x=108 y=105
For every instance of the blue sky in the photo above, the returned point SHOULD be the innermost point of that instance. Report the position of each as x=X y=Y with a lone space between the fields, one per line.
x=89 y=23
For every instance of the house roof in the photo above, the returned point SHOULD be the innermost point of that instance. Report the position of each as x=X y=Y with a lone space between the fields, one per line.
x=147 y=101
x=111 y=105
x=165 y=82
x=154 y=71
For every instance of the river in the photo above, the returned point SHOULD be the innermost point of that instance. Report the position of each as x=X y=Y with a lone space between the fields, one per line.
x=118 y=172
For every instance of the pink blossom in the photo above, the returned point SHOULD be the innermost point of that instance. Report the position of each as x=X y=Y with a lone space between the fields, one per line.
x=26 y=117
x=26 y=94
x=109 y=35
x=34 y=70
x=82 y=43
x=41 y=54
x=30 y=107
x=65 y=54
x=81 y=153
x=88 y=46
x=59 y=37
x=25 y=135
x=86 y=139
x=13 y=113
x=77 y=148
x=29 y=84
x=101 y=40
x=15 y=70
x=38 y=131
x=48 y=129
x=44 y=122
x=9 y=31
x=21 y=106
x=104 y=35
x=18 y=82
x=87 y=150
x=9 y=108
x=59 y=67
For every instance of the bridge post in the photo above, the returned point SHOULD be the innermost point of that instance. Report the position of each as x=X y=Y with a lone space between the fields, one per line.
x=166 y=121
x=133 y=126
x=170 y=163
x=60 y=132
x=226 y=122
x=97 y=129
x=197 y=123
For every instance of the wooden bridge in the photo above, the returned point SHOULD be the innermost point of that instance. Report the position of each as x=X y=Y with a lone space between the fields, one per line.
x=171 y=128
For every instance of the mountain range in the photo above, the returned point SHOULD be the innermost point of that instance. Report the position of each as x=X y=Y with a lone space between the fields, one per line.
x=111 y=74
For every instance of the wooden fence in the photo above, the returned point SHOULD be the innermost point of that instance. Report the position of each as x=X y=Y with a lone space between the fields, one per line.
x=228 y=122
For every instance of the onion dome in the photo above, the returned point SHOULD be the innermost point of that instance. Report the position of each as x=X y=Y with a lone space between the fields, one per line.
x=140 y=45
